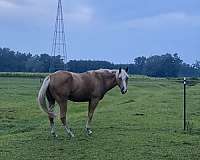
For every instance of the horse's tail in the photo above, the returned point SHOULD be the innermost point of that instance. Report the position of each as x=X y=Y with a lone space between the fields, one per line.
x=42 y=97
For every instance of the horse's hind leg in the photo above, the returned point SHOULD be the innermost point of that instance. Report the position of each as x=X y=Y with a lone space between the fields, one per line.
x=52 y=125
x=63 y=117
x=51 y=105
x=91 y=108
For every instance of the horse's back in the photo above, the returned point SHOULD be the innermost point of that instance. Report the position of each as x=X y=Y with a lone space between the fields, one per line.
x=60 y=83
x=78 y=86
x=60 y=77
x=73 y=86
x=84 y=85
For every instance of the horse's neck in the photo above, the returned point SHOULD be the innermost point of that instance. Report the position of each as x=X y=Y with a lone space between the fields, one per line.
x=110 y=81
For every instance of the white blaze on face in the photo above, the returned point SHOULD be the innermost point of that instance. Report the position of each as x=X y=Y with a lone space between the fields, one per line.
x=123 y=79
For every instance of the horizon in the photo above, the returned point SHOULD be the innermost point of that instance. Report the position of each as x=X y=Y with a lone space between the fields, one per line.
x=101 y=59
x=112 y=31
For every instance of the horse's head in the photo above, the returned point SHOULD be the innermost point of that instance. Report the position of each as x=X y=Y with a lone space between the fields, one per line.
x=122 y=79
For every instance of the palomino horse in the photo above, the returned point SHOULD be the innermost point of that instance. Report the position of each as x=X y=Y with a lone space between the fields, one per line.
x=89 y=87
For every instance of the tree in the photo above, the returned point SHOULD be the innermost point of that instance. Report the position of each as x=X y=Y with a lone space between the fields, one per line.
x=139 y=64
x=166 y=65
x=163 y=66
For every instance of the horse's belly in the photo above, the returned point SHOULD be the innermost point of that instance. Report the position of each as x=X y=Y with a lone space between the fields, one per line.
x=79 y=98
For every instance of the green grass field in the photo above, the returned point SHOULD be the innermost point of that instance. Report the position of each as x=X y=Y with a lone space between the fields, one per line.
x=146 y=123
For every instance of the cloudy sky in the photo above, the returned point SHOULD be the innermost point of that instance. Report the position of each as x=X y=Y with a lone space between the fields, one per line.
x=113 y=30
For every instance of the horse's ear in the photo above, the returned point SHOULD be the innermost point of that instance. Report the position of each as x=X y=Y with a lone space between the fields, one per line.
x=120 y=69
x=126 y=69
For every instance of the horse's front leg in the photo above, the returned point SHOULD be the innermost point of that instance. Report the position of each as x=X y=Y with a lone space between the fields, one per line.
x=91 y=108
x=63 y=118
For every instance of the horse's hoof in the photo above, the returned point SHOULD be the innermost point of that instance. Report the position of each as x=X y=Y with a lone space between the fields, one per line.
x=71 y=134
x=88 y=131
x=54 y=135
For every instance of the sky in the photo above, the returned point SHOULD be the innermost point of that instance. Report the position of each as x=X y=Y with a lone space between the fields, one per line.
x=113 y=30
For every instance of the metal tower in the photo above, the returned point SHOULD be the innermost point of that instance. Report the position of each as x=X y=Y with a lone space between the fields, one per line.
x=59 y=43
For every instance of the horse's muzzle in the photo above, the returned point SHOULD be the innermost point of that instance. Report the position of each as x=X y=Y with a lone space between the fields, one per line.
x=123 y=92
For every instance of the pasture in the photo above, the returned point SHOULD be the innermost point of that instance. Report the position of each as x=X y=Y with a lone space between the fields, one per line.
x=145 y=123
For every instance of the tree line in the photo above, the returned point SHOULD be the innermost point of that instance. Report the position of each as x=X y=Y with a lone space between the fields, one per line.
x=166 y=65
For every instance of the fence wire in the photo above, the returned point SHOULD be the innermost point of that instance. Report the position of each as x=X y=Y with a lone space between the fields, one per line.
x=168 y=96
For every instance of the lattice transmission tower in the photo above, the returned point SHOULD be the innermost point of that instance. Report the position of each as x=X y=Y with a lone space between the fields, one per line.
x=59 y=51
